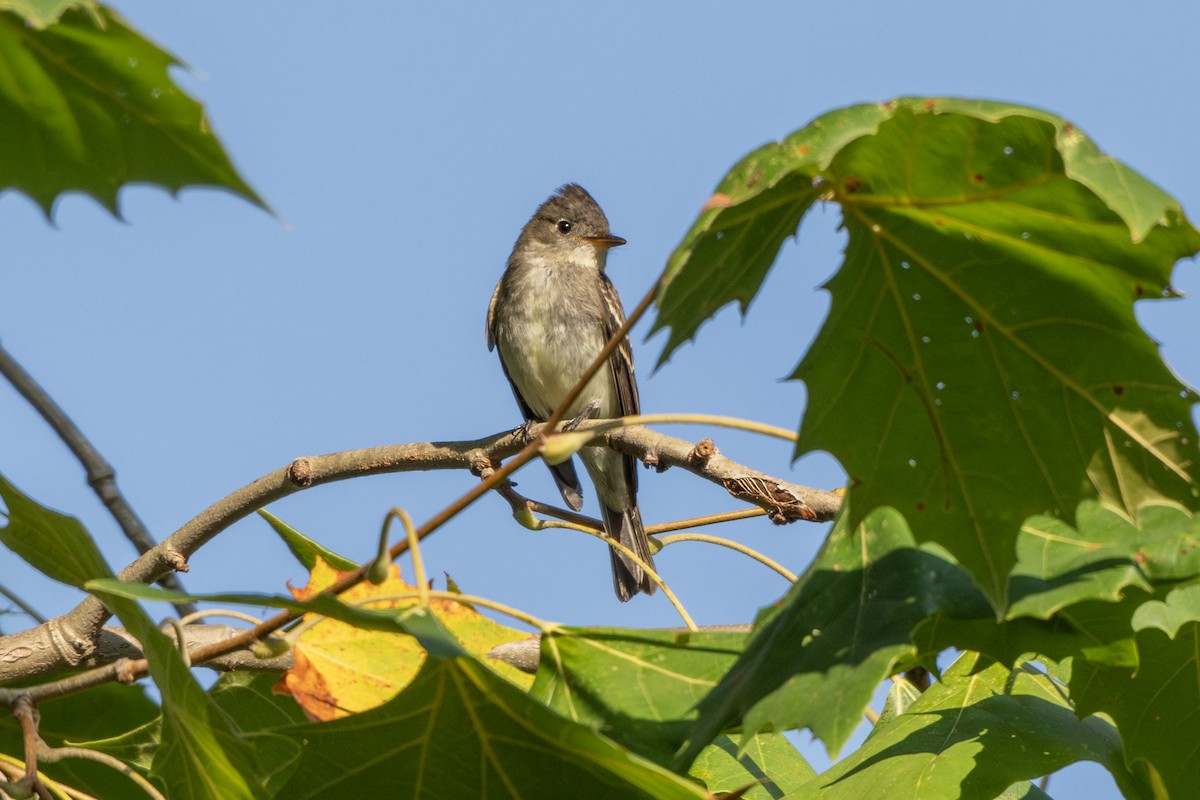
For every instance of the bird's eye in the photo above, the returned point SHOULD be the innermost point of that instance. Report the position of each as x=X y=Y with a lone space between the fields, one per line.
x=564 y=226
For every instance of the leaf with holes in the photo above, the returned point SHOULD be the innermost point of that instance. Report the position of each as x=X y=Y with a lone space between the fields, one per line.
x=981 y=362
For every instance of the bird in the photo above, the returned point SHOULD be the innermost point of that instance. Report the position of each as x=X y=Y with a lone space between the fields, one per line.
x=551 y=314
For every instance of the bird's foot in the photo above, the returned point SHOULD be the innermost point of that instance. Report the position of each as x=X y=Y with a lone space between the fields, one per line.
x=588 y=412
x=525 y=430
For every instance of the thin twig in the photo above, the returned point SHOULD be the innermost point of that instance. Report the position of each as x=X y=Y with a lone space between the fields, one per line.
x=635 y=558
x=707 y=519
x=520 y=503
x=464 y=599
x=719 y=420
x=70 y=685
x=180 y=641
x=53 y=754
x=410 y=535
x=219 y=612
x=100 y=474
x=600 y=427
x=26 y=713
x=782 y=500
x=593 y=527
x=14 y=598
x=732 y=545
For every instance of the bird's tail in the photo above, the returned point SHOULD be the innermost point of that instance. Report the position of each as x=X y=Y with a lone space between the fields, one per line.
x=626 y=527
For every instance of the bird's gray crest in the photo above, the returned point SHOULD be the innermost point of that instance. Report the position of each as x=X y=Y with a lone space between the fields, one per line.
x=573 y=203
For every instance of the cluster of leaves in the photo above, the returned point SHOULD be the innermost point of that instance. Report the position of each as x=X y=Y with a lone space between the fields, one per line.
x=1023 y=488
x=1022 y=463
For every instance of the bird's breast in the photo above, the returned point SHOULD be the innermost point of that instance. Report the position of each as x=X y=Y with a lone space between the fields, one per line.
x=548 y=332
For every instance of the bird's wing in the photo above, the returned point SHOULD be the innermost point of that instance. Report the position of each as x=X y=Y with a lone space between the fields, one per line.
x=491 y=319
x=621 y=364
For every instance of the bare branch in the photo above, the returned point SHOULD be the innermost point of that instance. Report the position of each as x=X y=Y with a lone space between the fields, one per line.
x=68 y=642
x=117 y=652
x=783 y=501
x=16 y=600
x=117 y=643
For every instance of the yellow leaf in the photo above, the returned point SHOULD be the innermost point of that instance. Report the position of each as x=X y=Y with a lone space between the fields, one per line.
x=342 y=670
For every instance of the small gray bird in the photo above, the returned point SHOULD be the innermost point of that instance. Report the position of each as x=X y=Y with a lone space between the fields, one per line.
x=550 y=315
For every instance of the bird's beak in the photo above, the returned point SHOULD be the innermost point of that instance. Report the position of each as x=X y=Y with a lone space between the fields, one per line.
x=604 y=242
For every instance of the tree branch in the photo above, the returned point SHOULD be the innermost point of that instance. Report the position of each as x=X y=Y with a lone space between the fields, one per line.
x=69 y=641
x=783 y=501
x=23 y=709
x=16 y=600
x=116 y=648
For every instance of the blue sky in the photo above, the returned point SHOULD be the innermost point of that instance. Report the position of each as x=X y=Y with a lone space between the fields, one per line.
x=202 y=343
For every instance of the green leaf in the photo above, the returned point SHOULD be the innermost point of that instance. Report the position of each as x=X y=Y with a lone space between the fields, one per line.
x=136 y=747
x=40 y=13
x=258 y=712
x=900 y=696
x=733 y=243
x=459 y=731
x=767 y=759
x=54 y=543
x=248 y=701
x=1137 y=201
x=1180 y=607
x=1080 y=590
x=972 y=735
x=872 y=602
x=305 y=549
x=730 y=255
x=1097 y=629
x=638 y=687
x=87 y=104
x=200 y=756
x=844 y=627
x=101 y=713
x=1023 y=790
x=1059 y=565
x=415 y=621
x=1155 y=706
x=986 y=298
